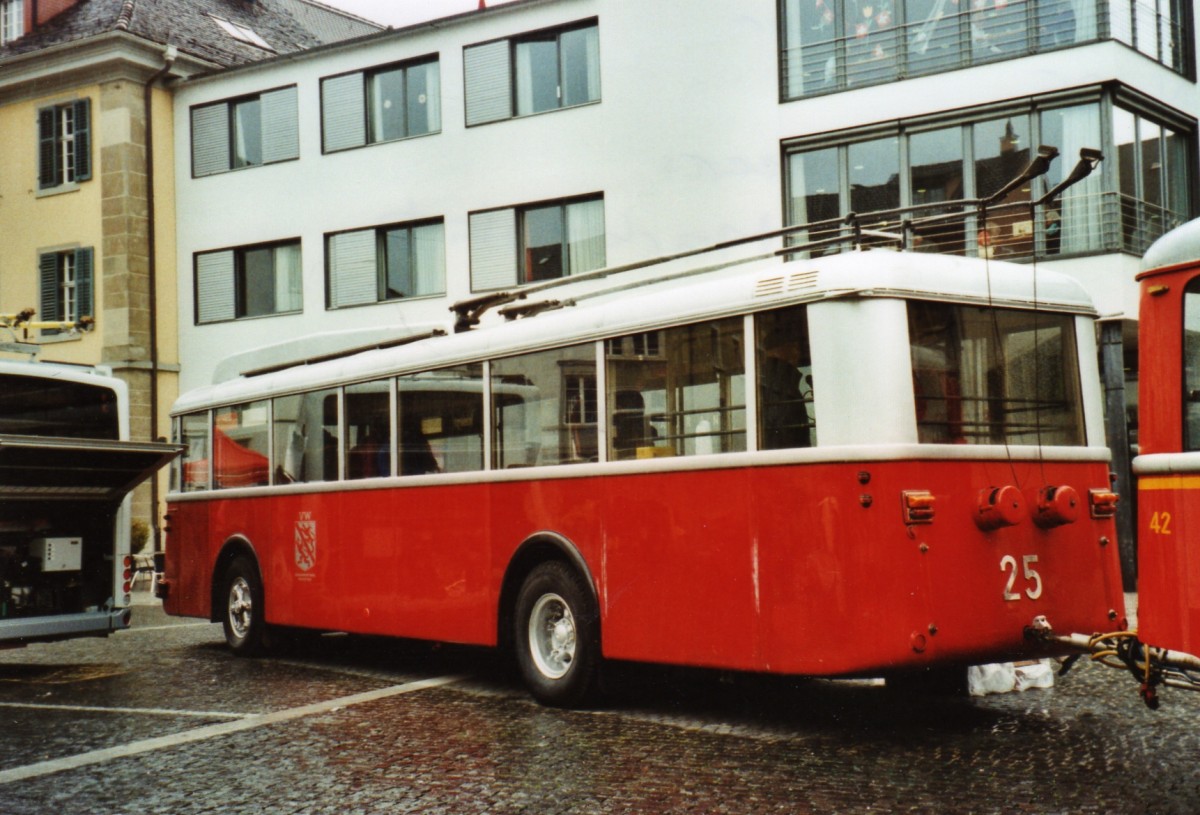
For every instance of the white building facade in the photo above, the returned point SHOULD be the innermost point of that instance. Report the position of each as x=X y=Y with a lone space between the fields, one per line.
x=351 y=193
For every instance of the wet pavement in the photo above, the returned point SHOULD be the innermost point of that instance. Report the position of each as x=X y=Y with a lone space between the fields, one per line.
x=162 y=719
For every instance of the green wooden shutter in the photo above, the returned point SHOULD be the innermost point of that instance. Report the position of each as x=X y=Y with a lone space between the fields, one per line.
x=50 y=305
x=83 y=140
x=48 y=173
x=83 y=283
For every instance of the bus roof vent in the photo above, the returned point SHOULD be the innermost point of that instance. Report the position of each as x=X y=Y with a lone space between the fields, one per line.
x=777 y=285
x=769 y=287
x=802 y=280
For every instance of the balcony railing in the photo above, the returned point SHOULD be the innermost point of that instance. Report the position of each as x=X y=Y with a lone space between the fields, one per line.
x=1071 y=226
x=874 y=54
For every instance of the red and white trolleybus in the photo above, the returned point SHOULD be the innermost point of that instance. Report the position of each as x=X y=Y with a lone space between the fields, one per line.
x=869 y=463
x=1168 y=464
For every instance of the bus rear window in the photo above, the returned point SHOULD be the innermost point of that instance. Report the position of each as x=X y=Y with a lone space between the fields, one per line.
x=994 y=376
x=37 y=406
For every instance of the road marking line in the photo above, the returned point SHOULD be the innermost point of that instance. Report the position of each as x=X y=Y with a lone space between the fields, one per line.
x=137 y=711
x=163 y=627
x=214 y=731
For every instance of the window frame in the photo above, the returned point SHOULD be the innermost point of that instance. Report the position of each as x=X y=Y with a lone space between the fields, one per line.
x=213 y=131
x=64 y=159
x=236 y=280
x=12 y=17
x=57 y=295
x=505 y=248
x=359 y=84
x=381 y=257
x=491 y=74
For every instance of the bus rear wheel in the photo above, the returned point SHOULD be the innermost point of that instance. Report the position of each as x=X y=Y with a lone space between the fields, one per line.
x=557 y=636
x=243 y=619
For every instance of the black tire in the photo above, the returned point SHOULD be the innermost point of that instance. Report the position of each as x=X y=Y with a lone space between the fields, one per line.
x=557 y=636
x=242 y=608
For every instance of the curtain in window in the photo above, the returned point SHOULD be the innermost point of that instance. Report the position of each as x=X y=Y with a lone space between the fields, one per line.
x=287 y=278
x=580 y=68
x=585 y=236
x=1080 y=205
x=424 y=99
x=429 y=255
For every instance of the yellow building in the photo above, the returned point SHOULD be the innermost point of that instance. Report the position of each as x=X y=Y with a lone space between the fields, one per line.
x=87 y=217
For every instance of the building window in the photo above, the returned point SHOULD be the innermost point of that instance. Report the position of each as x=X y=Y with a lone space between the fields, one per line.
x=532 y=73
x=66 y=286
x=12 y=20
x=1140 y=191
x=242 y=34
x=381 y=105
x=249 y=281
x=830 y=45
x=536 y=242
x=385 y=263
x=64 y=144
x=246 y=132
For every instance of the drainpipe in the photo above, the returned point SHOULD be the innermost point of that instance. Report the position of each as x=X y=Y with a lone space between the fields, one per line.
x=169 y=56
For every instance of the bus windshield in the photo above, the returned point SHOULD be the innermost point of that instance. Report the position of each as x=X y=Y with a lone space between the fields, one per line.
x=40 y=406
x=994 y=376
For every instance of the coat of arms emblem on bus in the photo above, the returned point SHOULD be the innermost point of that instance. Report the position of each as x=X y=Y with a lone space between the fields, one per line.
x=306 y=542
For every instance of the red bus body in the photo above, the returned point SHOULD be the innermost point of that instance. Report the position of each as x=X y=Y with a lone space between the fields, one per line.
x=1168 y=464
x=842 y=558
x=788 y=569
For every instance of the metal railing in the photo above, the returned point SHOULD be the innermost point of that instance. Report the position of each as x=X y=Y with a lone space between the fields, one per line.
x=1073 y=225
x=871 y=54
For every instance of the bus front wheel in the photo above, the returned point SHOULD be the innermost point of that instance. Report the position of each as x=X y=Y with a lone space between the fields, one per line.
x=557 y=636
x=244 y=623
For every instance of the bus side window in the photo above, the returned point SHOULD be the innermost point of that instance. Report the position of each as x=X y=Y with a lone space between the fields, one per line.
x=785 y=388
x=368 y=430
x=305 y=428
x=240 y=445
x=193 y=434
x=678 y=392
x=441 y=420
x=544 y=408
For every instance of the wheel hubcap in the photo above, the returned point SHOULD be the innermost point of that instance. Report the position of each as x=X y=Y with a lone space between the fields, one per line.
x=241 y=606
x=552 y=636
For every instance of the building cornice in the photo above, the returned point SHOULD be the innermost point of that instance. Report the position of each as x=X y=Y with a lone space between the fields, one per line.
x=112 y=56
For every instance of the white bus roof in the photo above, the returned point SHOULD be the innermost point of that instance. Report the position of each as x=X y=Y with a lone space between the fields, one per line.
x=620 y=305
x=1180 y=245
x=70 y=373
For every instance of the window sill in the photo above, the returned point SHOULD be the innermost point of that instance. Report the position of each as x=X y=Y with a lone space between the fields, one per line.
x=47 y=192
x=59 y=337
x=327 y=152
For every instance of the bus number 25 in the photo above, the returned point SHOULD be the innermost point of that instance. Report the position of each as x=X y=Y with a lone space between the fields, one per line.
x=1033 y=591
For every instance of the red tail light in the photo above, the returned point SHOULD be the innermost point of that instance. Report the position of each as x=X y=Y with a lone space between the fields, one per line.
x=918 y=506
x=1103 y=503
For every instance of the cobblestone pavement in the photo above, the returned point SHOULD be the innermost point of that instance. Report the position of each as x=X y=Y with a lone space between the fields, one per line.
x=162 y=719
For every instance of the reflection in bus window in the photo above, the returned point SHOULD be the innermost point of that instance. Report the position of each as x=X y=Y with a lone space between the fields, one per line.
x=677 y=392
x=441 y=420
x=240 y=445
x=994 y=376
x=368 y=429
x=785 y=389
x=193 y=435
x=306 y=437
x=1191 y=365
x=540 y=404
